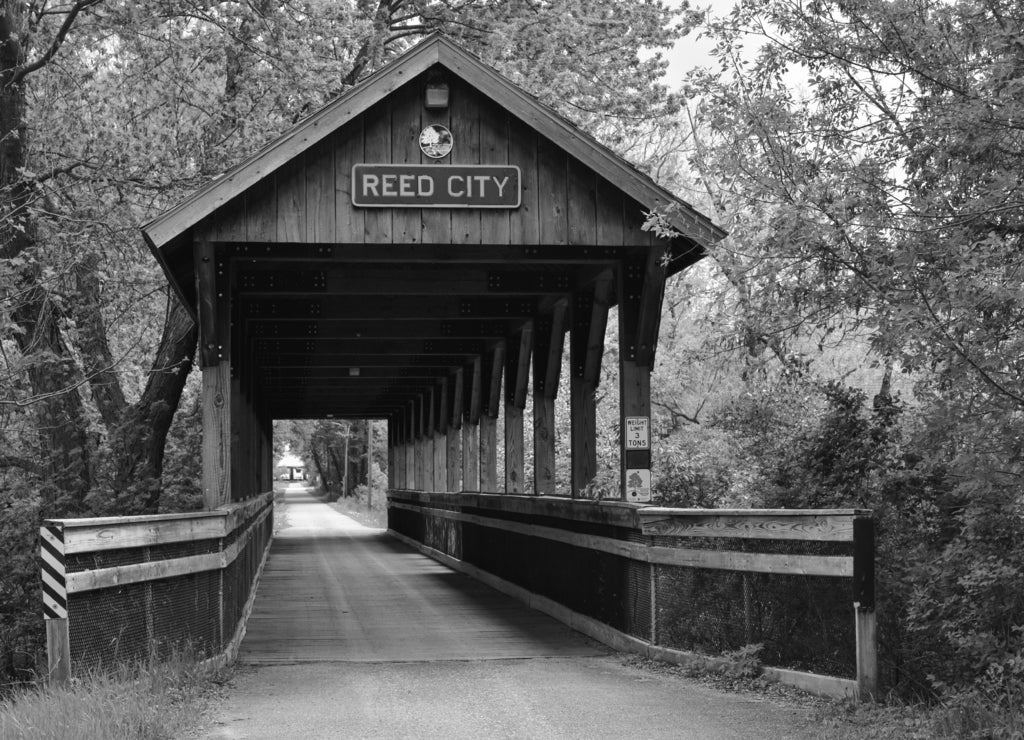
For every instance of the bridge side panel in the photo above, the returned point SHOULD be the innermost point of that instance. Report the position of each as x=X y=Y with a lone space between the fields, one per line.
x=769 y=588
x=142 y=587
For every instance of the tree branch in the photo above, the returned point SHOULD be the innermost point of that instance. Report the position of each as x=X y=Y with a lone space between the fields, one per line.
x=11 y=461
x=19 y=73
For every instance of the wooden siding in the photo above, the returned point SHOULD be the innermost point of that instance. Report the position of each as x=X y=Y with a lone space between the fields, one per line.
x=309 y=200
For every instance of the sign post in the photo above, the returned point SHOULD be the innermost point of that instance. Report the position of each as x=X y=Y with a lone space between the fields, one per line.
x=636 y=446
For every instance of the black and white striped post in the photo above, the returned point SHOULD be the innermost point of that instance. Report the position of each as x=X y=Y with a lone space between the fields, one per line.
x=55 y=601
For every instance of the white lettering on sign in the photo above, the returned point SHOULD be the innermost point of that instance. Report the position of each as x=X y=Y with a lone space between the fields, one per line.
x=436 y=186
x=638 y=433
x=638 y=485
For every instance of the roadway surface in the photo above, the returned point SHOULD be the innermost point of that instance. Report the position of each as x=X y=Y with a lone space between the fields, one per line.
x=356 y=635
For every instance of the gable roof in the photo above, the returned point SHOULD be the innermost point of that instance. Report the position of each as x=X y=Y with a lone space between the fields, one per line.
x=169 y=235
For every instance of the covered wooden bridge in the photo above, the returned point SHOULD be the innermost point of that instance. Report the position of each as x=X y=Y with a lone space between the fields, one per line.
x=357 y=268
x=418 y=251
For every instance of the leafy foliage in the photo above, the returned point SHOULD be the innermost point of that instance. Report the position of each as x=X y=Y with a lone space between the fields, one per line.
x=865 y=158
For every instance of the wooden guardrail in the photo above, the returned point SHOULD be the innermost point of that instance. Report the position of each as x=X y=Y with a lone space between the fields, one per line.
x=654 y=536
x=121 y=574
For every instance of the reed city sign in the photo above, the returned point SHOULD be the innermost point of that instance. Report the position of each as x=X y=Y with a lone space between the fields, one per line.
x=435 y=186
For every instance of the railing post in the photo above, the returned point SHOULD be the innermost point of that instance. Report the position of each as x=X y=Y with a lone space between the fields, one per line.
x=55 y=603
x=864 y=607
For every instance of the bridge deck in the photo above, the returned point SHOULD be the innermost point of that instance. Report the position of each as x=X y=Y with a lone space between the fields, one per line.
x=333 y=590
x=357 y=636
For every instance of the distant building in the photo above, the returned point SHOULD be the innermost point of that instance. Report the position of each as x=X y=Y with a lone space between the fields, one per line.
x=290 y=467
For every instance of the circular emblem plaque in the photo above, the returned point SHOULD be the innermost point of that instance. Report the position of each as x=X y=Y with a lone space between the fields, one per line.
x=436 y=141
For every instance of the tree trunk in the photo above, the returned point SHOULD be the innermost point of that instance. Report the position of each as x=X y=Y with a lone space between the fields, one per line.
x=59 y=417
x=138 y=441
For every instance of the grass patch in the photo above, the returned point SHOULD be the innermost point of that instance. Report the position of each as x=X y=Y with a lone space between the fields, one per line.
x=151 y=701
x=970 y=719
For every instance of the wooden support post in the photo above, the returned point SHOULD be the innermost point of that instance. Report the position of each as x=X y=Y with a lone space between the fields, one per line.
x=440 y=442
x=864 y=607
x=369 y=463
x=548 y=339
x=634 y=412
x=488 y=454
x=409 y=480
x=214 y=357
x=641 y=285
x=586 y=346
x=424 y=455
x=392 y=452
x=454 y=432
x=237 y=438
x=491 y=389
x=58 y=651
x=55 y=602
x=517 y=368
x=471 y=429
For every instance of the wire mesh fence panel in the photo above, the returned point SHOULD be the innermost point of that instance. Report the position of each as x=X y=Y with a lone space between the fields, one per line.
x=108 y=626
x=802 y=622
x=167 y=589
x=186 y=614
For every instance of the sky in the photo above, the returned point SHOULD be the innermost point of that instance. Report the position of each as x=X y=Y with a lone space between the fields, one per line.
x=691 y=51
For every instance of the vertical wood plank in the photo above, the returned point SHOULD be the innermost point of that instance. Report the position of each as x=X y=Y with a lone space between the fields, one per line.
x=582 y=203
x=495 y=223
x=405 y=149
x=517 y=364
x=583 y=425
x=261 y=211
x=471 y=456
x=392 y=454
x=321 y=197
x=589 y=315
x=524 y=222
x=632 y=224
x=454 y=433
x=238 y=467
x=471 y=428
x=488 y=453
x=544 y=460
x=453 y=458
x=228 y=224
x=290 y=182
x=410 y=447
x=608 y=216
x=410 y=477
x=348 y=151
x=513 y=449
x=465 y=126
x=552 y=186
x=377 y=227
x=440 y=444
x=437 y=222
x=58 y=651
x=548 y=341
x=216 y=402
x=490 y=381
x=867 y=653
x=864 y=607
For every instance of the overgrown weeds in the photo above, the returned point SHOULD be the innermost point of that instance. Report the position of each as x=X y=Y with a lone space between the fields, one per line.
x=150 y=701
